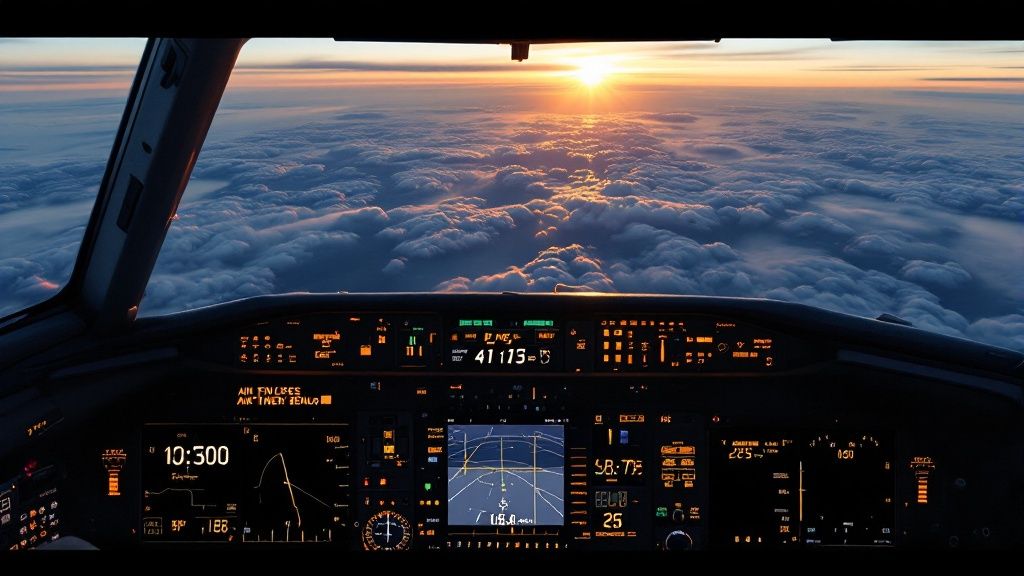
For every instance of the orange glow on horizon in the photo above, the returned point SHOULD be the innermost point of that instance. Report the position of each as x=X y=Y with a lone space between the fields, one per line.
x=596 y=78
x=572 y=69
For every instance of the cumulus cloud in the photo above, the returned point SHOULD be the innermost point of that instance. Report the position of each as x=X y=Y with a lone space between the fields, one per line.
x=811 y=223
x=863 y=207
x=570 y=265
x=715 y=150
x=672 y=117
x=395 y=266
x=948 y=275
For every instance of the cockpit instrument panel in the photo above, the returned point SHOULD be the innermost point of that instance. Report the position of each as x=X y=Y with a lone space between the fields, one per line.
x=531 y=430
x=502 y=343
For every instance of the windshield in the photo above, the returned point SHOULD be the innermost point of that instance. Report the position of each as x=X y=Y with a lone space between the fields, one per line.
x=863 y=177
x=60 y=105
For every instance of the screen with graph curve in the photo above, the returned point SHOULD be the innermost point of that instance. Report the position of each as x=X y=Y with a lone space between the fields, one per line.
x=244 y=482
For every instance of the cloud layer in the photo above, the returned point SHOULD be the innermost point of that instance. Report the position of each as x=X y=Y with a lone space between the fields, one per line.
x=864 y=206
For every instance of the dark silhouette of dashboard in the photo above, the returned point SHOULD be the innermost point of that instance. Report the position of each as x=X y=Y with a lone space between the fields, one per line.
x=522 y=422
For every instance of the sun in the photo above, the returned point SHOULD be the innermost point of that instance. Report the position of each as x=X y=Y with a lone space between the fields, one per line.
x=593 y=72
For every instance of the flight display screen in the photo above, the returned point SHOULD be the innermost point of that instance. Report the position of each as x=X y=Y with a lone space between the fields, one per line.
x=784 y=490
x=511 y=345
x=506 y=475
x=244 y=482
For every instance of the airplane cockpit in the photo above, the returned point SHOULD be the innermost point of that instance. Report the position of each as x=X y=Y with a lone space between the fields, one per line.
x=548 y=417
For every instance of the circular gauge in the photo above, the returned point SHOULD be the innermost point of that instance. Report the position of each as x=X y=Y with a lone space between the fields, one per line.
x=386 y=530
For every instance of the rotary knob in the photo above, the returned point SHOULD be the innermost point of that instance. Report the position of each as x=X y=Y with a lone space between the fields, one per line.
x=678 y=540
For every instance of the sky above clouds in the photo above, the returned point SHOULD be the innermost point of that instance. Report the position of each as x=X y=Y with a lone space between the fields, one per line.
x=859 y=177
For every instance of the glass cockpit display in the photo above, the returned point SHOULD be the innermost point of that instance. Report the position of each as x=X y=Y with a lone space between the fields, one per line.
x=785 y=489
x=506 y=475
x=244 y=482
x=513 y=345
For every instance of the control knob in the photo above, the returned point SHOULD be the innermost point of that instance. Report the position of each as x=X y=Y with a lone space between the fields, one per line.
x=678 y=540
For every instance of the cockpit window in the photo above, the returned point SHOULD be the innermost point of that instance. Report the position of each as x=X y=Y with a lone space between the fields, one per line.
x=61 y=101
x=863 y=177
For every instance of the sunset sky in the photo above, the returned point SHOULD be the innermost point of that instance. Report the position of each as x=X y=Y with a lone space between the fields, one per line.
x=52 y=64
x=862 y=177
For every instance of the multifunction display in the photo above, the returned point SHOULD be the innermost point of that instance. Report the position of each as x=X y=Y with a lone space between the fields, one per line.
x=785 y=489
x=237 y=483
x=487 y=344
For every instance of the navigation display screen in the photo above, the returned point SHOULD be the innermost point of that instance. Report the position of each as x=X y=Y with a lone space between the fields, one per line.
x=506 y=475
